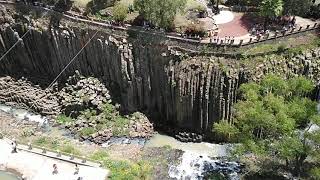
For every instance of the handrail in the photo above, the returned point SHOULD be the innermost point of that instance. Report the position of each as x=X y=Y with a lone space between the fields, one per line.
x=8 y=137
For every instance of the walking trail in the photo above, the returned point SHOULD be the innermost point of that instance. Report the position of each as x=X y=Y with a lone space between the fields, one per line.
x=38 y=167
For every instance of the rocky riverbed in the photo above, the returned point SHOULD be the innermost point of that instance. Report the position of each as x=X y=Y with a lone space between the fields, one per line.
x=85 y=104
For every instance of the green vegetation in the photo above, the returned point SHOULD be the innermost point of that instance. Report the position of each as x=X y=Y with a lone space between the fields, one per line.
x=297 y=7
x=63 y=119
x=289 y=47
x=54 y=144
x=120 y=11
x=107 y=118
x=272 y=120
x=86 y=131
x=271 y=8
x=160 y=13
x=123 y=170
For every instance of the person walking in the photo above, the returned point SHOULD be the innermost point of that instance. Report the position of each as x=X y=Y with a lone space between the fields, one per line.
x=14 y=146
x=76 y=170
x=55 y=169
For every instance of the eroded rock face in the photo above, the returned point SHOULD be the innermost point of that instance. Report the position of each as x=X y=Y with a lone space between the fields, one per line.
x=189 y=93
x=23 y=93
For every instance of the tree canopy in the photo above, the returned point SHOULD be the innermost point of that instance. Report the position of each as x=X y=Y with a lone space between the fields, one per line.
x=297 y=7
x=275 y=118
x=271 y=8
x=160 y=13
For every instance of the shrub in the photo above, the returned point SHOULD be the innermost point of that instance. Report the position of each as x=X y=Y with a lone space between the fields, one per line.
x=63 y=119
x=99 y=155
x=315 y=173
x=27 y=132
x=86 y=131
x=315 y=11
x=120 y=12
x=281 y=48
x=41 y=141
x=122 y=170
x=195 y=29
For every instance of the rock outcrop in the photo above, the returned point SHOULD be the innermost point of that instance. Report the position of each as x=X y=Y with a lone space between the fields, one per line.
x=81 y=93
x=188 y=92
x=23 y=93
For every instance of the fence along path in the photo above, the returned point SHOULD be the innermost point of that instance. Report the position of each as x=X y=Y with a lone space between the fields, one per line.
x=175 y=36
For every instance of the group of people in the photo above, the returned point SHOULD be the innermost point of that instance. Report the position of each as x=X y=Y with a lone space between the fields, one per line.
x=220 y=40
x=285 y=22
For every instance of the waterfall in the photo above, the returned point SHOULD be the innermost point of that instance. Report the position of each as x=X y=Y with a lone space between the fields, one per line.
x=194 y=166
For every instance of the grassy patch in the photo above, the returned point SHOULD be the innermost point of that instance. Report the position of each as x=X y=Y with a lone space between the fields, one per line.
x=86 y=131
x=69 y=149
x=47 y=142
x=290 y=46
x=123 y=170
x=63 y=119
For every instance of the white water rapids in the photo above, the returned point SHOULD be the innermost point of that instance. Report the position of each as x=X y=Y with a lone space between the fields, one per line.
x=194 y=167
x=197 y=159
x=22 y=114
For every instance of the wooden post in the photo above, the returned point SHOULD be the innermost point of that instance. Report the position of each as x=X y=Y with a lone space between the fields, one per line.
x=58 y=153
x=308 y=26
x=71 y=157
x=44 y=150
x=84 y=159
x=241 y=41
x=300 y=28
x=29 y=146
x=267 y=36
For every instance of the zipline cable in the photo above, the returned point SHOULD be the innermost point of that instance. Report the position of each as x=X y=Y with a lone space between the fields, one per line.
x=74 y=58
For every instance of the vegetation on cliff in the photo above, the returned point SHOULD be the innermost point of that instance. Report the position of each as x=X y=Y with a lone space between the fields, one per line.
x=276 y=121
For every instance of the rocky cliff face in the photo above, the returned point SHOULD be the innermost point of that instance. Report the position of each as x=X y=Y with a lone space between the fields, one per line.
x=188 y=92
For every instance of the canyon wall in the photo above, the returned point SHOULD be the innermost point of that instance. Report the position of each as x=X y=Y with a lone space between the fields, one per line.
x=141 y=71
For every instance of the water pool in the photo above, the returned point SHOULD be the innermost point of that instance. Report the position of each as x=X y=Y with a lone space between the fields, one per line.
x=8 y=176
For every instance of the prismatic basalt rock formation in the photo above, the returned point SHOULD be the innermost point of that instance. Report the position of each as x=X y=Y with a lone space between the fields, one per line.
x=188 y=92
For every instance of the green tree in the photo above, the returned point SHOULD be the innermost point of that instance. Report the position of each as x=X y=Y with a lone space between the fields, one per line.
x=225 y=129
x=120 y=12
x=160 y=13
x=271 y=8
x=274 y=118
x=297 y=7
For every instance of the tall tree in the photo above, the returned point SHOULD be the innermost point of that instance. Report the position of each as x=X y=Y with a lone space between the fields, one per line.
x=160 y=13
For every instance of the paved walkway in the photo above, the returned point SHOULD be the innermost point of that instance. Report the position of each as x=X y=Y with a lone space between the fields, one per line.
x=239 y=26
x=38 y=167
